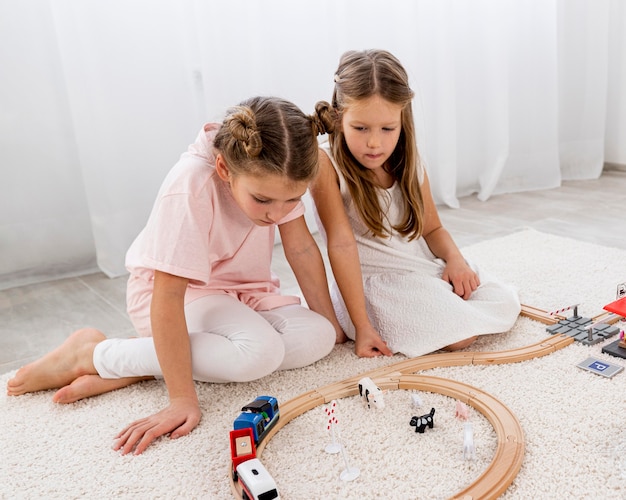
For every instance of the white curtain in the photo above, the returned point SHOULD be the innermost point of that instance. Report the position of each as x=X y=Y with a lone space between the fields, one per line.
x=98 y=100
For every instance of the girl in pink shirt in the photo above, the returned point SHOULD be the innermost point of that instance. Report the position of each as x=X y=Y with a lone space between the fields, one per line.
x=201 y=293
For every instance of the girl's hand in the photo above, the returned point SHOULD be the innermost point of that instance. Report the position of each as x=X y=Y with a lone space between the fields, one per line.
x=369 y=344
x=178 y=419
x=462 y=278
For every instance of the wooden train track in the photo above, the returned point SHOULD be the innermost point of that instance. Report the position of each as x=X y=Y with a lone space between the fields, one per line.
x=509 y=455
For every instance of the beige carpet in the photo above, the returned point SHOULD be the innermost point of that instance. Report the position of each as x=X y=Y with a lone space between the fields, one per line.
x=574 y=422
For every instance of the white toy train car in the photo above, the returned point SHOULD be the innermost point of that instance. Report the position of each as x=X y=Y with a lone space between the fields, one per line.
x=256 y=483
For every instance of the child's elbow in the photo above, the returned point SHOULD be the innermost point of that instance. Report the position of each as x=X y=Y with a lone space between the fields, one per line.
x=302 y=249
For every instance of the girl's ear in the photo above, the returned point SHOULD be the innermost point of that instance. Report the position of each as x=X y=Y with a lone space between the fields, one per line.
x=221 y=168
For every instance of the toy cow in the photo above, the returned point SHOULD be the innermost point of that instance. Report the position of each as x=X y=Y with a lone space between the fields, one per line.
x=371 y=393
x=420 y=423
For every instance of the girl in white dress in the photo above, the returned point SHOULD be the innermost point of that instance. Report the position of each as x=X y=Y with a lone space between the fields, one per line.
x=400 y=282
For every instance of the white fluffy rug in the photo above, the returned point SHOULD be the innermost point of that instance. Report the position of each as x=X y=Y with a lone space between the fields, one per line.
x=574 y=421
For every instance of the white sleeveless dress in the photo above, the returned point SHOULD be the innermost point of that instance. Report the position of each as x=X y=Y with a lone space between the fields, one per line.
x=412 y=308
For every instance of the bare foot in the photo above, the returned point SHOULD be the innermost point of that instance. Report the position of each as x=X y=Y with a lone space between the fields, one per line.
x=341 y=338
x=91 y=385
x=460 y=345
x=60 y=367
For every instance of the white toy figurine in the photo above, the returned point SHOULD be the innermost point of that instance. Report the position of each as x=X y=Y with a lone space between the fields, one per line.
x=417 y=401
x=371 y=393
x=469 y=452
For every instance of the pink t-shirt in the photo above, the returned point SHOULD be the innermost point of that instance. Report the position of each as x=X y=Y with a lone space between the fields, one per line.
x=197 y=231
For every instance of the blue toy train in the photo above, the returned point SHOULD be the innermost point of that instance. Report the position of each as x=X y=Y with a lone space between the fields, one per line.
x=260 y=415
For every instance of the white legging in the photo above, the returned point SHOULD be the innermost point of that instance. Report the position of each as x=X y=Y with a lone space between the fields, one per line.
x=230 y=342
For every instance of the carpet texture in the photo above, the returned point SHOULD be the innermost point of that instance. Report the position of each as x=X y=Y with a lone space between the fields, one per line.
x=574 y=421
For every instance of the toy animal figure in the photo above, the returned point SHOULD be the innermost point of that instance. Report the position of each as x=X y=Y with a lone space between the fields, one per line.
x=417 y=401
x=420 y=423
x=469 y=453
x=462 y=411
x=371 y=393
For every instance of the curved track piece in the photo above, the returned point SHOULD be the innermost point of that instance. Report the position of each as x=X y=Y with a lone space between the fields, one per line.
x=509 y=454
x=510 y=450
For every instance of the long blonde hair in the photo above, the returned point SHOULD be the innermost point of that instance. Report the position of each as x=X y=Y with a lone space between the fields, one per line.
x=361 y=75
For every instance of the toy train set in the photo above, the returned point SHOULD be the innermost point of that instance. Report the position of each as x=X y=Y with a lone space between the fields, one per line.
x=249 y=429
x=256 y=421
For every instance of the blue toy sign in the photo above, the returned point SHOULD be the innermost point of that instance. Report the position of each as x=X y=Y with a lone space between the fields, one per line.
x=600 y=367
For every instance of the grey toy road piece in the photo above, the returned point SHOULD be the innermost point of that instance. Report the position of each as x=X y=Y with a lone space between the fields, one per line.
x=583 y=330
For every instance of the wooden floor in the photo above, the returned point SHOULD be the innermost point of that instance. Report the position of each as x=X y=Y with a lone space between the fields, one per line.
x=37 y=318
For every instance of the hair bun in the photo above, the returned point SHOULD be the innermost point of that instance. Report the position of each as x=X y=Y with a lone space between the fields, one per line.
x=242 y=126
x=324 y=118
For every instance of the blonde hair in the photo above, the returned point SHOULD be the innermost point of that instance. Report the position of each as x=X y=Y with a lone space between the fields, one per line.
x=361 y=75
x=269 y=135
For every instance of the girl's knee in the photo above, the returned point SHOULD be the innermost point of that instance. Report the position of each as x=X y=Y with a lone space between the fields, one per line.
x=310 y=345
x=242 y=359
x=249 y=369
x=320 y=337
x=328 y=338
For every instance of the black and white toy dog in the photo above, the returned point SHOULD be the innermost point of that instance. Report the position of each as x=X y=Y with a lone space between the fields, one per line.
x=420 y=423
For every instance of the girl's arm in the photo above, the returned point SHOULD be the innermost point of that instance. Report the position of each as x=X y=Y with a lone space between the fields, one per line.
x=305 y=260
x=344 y=258
x=171 y=341
x=456 y=272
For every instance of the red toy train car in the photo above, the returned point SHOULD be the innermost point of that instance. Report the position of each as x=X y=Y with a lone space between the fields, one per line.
x=242 y=447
